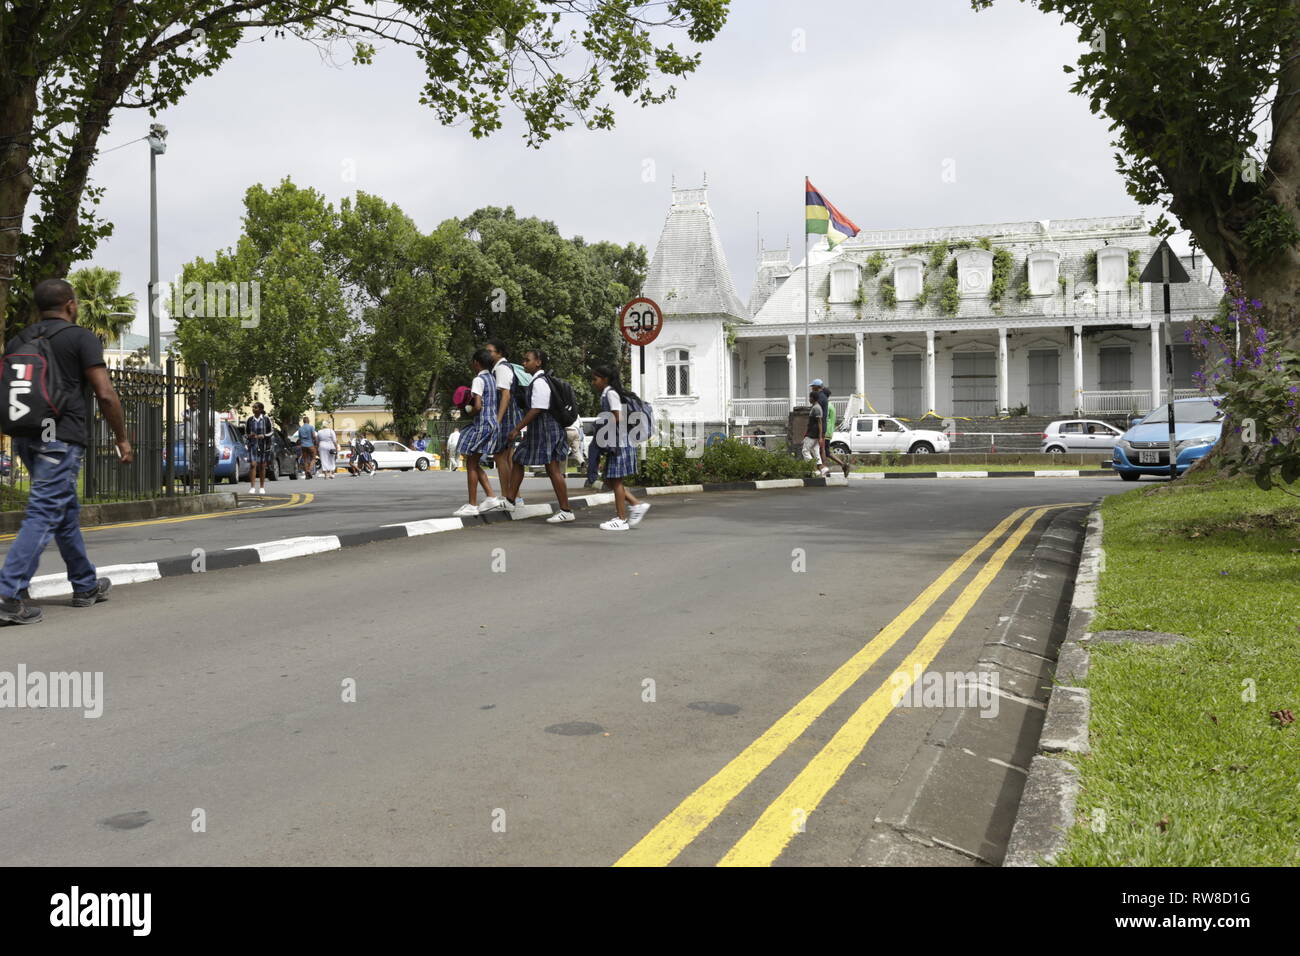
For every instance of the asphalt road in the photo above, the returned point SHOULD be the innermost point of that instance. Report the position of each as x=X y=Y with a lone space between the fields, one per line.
x=224 y=692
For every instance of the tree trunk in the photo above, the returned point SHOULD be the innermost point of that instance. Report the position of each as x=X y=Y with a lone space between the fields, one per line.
x=17 y=119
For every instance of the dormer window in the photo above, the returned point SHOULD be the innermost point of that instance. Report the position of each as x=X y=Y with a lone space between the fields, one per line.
x=844 y=282
x=1044 y=270
x=1112 y=269
x=974 y=272
x=907 y=280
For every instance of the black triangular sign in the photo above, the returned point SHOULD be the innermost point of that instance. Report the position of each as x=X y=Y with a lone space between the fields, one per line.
x=1154 y=272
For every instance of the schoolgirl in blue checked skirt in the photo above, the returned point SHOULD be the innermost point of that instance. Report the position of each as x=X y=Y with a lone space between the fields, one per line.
x=544 y=442
x=621 y=461
x=482 y=436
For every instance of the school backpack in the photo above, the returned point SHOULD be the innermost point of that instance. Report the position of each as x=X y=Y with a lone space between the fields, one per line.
x=463 y=397
x=33 y=387
x=564 y=404
x=641 y=427
x=519 y=386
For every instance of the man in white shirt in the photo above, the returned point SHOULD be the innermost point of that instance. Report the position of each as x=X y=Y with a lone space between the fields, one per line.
x=453 y=440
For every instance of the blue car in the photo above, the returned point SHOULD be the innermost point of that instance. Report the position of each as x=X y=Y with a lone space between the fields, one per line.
x=1144 y=448
x=231 y=455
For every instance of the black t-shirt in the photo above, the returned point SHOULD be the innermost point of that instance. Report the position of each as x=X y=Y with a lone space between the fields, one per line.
x=74 y=350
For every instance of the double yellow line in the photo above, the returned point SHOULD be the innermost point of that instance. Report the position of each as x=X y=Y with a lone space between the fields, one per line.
x=770 y=835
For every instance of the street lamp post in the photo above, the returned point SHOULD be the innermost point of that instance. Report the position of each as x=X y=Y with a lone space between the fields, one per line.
x=157 y=144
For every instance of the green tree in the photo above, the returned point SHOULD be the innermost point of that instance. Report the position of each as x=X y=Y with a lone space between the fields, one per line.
x=67 y=67
x=303 y=331
x=102 y=308
x=1203 y=98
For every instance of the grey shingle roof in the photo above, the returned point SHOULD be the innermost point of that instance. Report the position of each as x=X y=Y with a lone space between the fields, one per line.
x=688 y=274
x=1073 y=239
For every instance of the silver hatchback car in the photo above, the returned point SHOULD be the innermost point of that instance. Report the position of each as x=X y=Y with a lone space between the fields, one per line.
x=1079 y=435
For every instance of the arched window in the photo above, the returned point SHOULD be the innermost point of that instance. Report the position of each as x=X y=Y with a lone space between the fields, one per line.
x=678 y=365
x=844 y=283
x=1112 y=269
x=1044 y=269
x=907 y=279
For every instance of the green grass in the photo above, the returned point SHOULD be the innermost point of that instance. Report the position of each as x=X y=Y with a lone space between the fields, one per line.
x=1186 y=768
x=994 y=467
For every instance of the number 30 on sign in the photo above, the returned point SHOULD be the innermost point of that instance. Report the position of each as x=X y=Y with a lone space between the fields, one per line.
x=641 y=321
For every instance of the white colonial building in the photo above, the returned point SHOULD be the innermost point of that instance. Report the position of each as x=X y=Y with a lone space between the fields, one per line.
x=960 y=321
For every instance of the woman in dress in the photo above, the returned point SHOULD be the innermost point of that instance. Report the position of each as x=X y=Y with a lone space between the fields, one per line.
x=545 y=442
x=483 y=435
x=328 y=444
x=620 y=461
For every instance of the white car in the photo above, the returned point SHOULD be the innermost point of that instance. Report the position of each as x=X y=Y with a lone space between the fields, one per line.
x=1080 y=434
x=393 y=454
x=867 y=434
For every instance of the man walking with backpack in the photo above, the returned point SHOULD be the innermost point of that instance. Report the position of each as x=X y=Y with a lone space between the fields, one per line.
x=46 y=368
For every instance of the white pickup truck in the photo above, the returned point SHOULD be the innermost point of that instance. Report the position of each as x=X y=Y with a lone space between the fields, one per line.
x=865 y=434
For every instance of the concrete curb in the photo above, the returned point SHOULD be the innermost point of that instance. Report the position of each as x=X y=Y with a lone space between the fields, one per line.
x=1046 y=812
x=113 y=512
x=1042 y=473
x=958 y=797
x=57 y=585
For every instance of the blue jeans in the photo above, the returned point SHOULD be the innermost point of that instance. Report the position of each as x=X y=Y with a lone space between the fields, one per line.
x=52 y=512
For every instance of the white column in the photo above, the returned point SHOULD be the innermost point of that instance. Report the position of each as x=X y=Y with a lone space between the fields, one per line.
x=1004 y=389
x=1155 y=363
x=860 y=368
x=930 y=397
x=790 y=359
x=1078 y=369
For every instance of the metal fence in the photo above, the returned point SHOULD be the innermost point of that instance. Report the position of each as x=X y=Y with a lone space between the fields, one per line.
x=170 y=424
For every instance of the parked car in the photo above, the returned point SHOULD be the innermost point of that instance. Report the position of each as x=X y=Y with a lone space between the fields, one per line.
x=230 y=457
x=393 y=454
x=1079 y=434
x=865 y=434
x=1144 y=448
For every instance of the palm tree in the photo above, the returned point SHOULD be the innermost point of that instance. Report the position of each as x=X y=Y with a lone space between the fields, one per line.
x=102 y=309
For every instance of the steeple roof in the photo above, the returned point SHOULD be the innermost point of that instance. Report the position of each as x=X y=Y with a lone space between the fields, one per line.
x=688 y=274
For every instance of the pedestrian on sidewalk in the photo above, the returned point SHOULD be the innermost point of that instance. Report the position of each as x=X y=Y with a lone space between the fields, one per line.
x=812 y=439
x=328 y=443
x=828 y=409
x=453 y=445
x=612 y=433
x=507 y=416
x=482 y=436
x=307 y=445
x=257 y=431
x=545 y=442
x=52 y=507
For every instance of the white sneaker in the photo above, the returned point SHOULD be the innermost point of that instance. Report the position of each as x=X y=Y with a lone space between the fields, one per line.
x=465 y=511
x=252 y=489
x=507 y=504
x=560 y=517
x=615 y=524
x=636 y=513
x=519 y=502
x=490 y=504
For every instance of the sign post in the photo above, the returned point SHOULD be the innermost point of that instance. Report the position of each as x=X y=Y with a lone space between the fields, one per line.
x=1165 y=268
x=640 y=323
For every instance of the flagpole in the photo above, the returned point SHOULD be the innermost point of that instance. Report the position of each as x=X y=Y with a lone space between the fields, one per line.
x=807 y=298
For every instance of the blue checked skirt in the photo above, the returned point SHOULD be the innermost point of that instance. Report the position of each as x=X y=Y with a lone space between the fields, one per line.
x=507 y=425
x=619 y=462
x=482 y=437
x=543 y=442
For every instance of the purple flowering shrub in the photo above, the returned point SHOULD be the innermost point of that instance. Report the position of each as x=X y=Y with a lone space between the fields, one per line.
x=1257 y=382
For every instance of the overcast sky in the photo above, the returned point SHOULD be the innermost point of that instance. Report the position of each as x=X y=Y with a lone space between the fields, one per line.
x=881 y=95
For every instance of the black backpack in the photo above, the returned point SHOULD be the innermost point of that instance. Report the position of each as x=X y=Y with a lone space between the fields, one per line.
x=564 y=404
x=34 y=391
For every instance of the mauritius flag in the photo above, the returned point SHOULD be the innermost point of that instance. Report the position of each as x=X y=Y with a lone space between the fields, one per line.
x=824 y=219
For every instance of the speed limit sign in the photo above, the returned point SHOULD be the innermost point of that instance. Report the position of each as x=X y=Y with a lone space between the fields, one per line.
x=641 y=321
